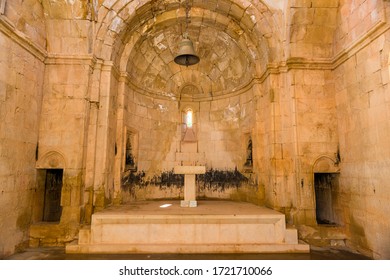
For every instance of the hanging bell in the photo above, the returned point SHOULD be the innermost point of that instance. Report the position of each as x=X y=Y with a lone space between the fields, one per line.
x=186 y=55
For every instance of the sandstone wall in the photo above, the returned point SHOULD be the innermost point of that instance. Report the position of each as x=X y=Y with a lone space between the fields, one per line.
x=274 y=142
x=362 y=97
x=28 y=19
x=62 y=128
x=341 y=114
x=22 y=42
x=311 y=26
x=316 y=132
x=222 y=129
x=355 y=18
x=65 y=117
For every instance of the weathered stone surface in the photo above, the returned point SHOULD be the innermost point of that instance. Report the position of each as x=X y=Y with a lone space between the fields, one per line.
x=21 y=80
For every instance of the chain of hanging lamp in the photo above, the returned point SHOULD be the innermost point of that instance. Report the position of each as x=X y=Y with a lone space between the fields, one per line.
x=187 y=8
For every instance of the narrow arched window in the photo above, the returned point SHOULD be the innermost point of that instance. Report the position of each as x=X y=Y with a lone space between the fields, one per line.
x=189 y=118
x=188 y=131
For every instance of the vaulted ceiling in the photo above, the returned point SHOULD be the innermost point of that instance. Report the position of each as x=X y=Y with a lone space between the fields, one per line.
x=225 y=64
x=232 y=39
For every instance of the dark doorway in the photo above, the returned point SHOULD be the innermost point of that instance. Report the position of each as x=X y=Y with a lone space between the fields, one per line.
x=52 y=204
x=326 y=185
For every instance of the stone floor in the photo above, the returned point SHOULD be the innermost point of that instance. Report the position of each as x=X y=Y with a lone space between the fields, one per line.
x=315 y=254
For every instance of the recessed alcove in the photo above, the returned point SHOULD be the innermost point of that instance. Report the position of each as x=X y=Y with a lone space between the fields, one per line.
x=326 y=187
x=326 y=178
x=52 y=202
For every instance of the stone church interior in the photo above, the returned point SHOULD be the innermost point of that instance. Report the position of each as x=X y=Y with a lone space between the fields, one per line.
x=195 y=126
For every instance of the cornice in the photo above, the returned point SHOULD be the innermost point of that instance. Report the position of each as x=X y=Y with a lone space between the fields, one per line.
x=124 y=77
x=379 y=29
x=60 y=59
x=294 y=63
x=298 y=63
x=21 y=39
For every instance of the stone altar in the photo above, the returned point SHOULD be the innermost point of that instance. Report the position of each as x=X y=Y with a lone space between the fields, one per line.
x=189 y=183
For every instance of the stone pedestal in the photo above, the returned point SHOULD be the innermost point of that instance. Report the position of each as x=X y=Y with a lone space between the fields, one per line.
x=189 y=183
x=219 y=227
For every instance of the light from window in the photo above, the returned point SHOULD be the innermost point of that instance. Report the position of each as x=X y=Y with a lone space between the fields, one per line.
x=189 y=118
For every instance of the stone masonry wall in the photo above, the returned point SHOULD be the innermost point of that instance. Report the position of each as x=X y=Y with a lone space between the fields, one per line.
x=221 y=127
x=28 y=19
x=295 y=125
x=263 y=138
x=363 y=106
x=276 y=142
x=22 y=39
x=316 y=132
x=65 y=116
x=355 y=19
x=311 y=28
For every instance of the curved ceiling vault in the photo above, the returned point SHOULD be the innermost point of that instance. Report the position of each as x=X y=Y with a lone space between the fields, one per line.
x=230 y=38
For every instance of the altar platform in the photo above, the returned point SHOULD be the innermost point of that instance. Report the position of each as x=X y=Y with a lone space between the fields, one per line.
x=165 y=227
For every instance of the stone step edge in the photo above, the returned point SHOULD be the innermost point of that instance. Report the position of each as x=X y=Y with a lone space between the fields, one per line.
x=210 y=221
x=185 y=248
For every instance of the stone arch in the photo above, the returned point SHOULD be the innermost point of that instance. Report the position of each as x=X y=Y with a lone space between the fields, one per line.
x=51 y=160
x=190 y=90
x=117 y=19
x=325 y=164
x=248 y=26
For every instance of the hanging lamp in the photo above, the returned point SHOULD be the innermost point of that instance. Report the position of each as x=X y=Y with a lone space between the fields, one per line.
x=186 y=55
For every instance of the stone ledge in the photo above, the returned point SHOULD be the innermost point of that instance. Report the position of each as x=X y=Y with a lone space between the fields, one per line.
x=186 y=249
x=189 y=169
